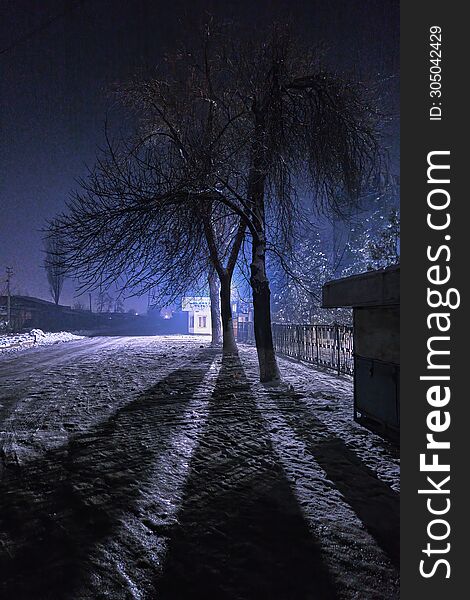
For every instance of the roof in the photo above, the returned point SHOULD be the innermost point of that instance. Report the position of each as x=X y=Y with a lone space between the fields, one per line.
x=30 y=301
x=373 y=288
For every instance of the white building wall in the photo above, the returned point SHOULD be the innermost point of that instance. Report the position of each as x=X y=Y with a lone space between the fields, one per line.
x=199 y=314
x=199 y=322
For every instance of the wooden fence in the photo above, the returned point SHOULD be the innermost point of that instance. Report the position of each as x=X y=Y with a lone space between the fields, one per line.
x=330 y=346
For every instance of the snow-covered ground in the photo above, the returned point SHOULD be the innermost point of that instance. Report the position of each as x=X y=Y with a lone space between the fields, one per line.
x=36 y=337
x=147 y=467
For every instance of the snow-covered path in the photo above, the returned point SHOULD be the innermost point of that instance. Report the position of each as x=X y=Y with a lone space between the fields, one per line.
x=149 y=468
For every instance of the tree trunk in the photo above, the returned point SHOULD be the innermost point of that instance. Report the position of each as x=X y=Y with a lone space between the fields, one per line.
x=214 y=293
x=268 y=369
x=229 y=343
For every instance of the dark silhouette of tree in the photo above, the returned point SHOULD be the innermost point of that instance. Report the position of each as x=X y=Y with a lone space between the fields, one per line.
x=54 y=267
x=299 y=124
x=228 y=135
x=119 y=305
x=150 y=213
x=79 y=305
x=104 y=302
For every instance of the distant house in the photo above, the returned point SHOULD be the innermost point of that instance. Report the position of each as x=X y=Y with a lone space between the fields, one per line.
x=199 y=314
x=28 y=312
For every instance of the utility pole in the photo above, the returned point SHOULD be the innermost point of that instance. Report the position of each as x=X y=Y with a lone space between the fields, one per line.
x=89 y=298
x=9 y=276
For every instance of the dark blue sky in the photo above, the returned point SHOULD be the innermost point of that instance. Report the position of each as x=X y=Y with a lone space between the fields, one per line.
x=55 y=89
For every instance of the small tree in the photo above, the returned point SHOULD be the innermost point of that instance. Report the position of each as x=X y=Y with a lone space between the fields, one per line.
x=104 y=302
x=54 y=266
x=119 y=305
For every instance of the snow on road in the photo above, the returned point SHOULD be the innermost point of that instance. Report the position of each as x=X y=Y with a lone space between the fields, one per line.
x=330 y=480
x=50 y=394
x=147 y=467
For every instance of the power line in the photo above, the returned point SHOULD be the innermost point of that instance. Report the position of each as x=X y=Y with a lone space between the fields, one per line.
x=41 y=27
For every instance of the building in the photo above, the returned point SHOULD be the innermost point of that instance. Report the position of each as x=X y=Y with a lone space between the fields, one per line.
x=28 y=312
x=199 y=314
x=375 y=299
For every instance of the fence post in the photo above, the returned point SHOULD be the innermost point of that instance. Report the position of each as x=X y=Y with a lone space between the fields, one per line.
x=316 y=344
x=338 y=349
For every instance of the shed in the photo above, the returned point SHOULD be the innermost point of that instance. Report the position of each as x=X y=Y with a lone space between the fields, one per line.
x=375 y=299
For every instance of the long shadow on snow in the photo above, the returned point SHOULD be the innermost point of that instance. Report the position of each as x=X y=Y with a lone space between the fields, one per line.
x=54 y=510
x=373 y=501
x=240 y=533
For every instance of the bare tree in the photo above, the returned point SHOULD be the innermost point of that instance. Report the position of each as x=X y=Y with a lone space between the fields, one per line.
x=78 y=305
x=297 y=122
x=104 y=302
x=119 y=305
x=227 y=134
x=190 y=113
x=150 y=212
x=54 y=267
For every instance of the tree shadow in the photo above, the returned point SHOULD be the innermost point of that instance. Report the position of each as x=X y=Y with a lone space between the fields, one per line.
x=56 y=509
x=374 y=502
x=240 y=532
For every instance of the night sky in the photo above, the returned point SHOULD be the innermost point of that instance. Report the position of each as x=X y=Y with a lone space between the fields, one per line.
x=60 y=59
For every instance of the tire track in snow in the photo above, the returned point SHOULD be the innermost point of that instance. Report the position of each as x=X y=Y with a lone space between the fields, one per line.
x=34 y=359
